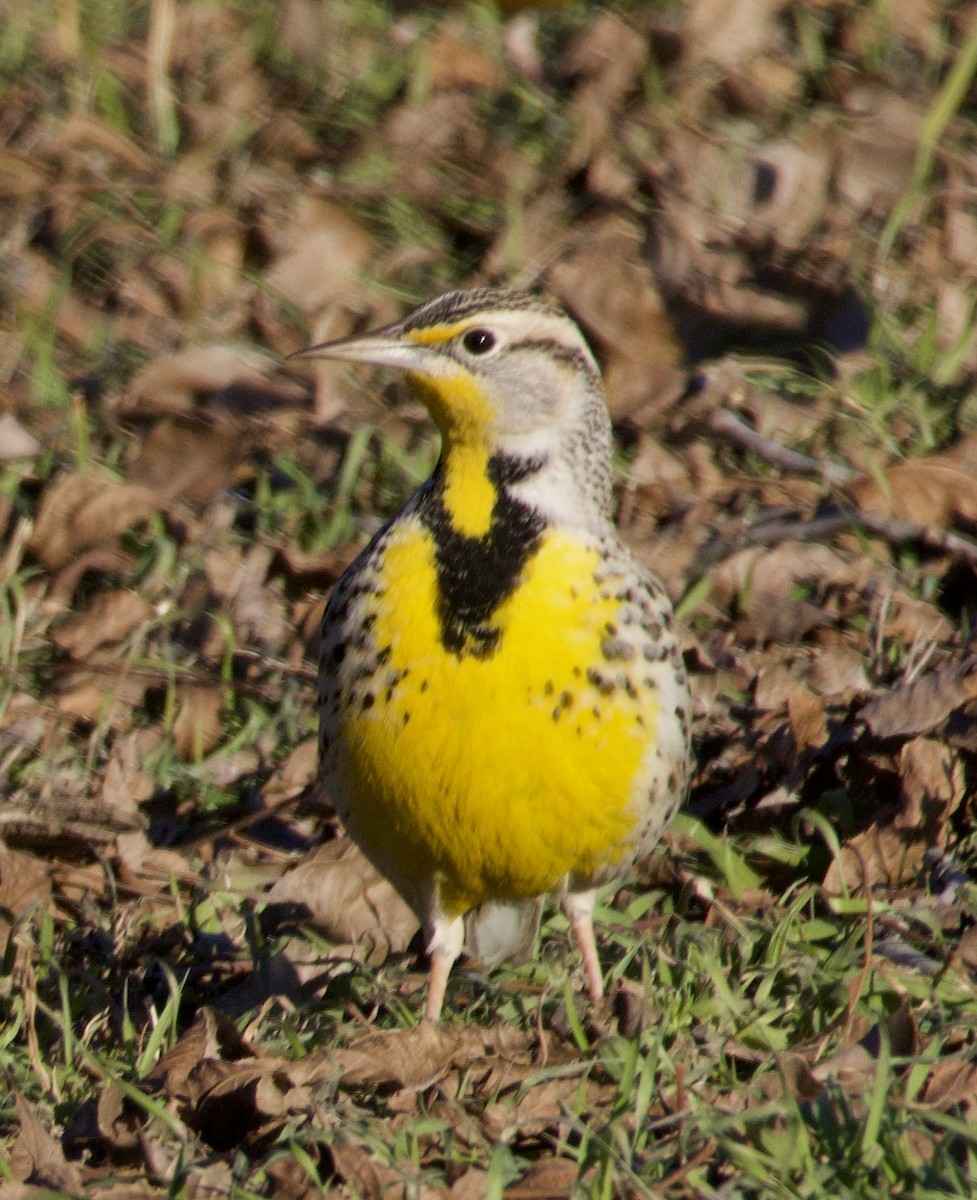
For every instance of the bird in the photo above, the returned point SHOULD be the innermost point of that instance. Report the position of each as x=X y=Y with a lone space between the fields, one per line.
x=504 y=710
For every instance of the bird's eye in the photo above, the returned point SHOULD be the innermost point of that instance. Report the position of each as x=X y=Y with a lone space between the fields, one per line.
x=478 y=341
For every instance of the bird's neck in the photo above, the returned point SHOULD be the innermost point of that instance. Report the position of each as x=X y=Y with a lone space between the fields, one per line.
x=468 y=490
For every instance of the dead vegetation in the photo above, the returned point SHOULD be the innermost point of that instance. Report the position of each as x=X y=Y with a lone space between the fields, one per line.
x=761 y=214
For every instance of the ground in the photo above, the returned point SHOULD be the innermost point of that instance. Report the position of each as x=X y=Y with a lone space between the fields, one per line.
x=761 y=215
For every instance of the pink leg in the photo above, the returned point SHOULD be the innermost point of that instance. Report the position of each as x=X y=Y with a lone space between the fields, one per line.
x=444 y=947
x=579 y=908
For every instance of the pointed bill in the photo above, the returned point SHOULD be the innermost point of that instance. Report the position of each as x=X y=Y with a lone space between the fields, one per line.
x=378 y=349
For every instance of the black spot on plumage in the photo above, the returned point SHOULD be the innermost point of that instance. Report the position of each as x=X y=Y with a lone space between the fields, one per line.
x=475 y=575
x=602 y=683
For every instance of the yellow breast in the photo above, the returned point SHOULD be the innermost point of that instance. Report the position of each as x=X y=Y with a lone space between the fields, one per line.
x=497 y=775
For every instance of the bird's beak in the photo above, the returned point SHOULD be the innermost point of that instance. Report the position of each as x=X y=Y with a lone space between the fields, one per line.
x=379 y=349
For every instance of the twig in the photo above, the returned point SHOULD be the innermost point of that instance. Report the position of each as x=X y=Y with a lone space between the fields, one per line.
x=728 y=425
x=893 y=530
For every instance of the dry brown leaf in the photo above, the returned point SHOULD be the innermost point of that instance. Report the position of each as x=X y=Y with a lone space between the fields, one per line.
x=123 y=789
x=295 y=773
x=839 y=669
x=408 y=1058
x=928 y=492
x=764 y=584
x=236 y=1101
x=877 y=157
x=213 y=1036
x=890 y=854
x=36 y=1157
x=807 y=719
x=110 y=697
x=241 y=579
x=605 y=283
x=364 y=1175
x=288 y=1177
x=922 y=705
x=547 y=1179
x=40 y=291
x=728 y=32
x=794 y=1078
x=120 y=1120
x=15 y=441
x=606 y=61
x=174 y=382
x=82 y=511
x=199 y=725
x=82 y=133
x=853 y=1067
x=799 y=170
x=339 y=890
x=142 y=865
x=471 y=1185
x=189 y=458
x=25 y=882
x=109 y=618
x=22 y=175
x=221 y=235
x=327 y=253
x=952 y=1082
x=454 y=61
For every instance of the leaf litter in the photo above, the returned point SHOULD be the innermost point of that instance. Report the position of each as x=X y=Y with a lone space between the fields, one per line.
x=729 y=200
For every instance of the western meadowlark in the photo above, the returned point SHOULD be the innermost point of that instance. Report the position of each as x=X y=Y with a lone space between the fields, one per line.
x=503 y=707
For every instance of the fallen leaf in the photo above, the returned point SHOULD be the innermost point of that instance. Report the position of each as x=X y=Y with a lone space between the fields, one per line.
x=922 y=705
x=853 y=1067
x=604 y=283
x=891 y=853
x=212 y=1035
x=363 y=1174
x=338 y=890
x=199 y=725
x=81 y=511
x=15 y=441
x=189 y=458
x=407 y=1058
x=952 y=1082
x=174 y=382
x=929 y=492
x=728 y=32
x=109 y=618
x=807 y=720
x=25 y=883
x=36 y=1157
x=547 y=1179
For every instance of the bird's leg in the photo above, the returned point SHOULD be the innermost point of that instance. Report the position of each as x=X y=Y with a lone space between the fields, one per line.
x=444 y=946
x=579 y=908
